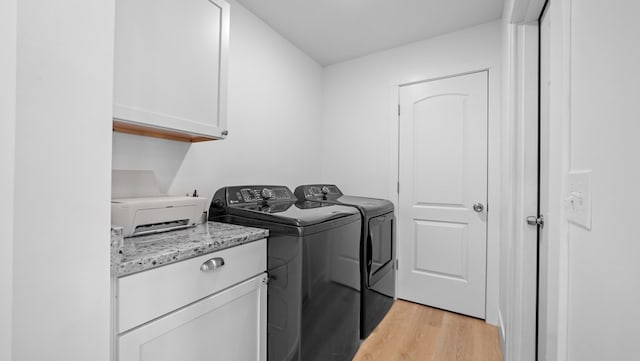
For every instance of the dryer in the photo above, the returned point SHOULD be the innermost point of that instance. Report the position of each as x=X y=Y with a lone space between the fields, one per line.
x=314 y=288
x=377 y=249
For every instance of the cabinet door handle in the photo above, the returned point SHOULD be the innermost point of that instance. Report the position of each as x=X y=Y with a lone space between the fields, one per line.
x=212 y=264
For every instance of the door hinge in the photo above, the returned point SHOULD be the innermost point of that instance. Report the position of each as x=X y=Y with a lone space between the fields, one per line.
x=397 y=263
x=398 y=109
x=536 y=221
x=398 y=187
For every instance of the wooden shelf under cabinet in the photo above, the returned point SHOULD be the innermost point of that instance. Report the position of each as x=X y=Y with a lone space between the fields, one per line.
x=123 y=127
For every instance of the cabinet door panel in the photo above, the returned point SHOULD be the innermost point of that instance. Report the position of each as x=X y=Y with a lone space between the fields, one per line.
x=170 y=64
x=230 y=325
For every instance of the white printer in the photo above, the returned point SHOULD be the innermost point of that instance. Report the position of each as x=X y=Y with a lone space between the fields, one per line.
x=145 y=215
x=138 y=205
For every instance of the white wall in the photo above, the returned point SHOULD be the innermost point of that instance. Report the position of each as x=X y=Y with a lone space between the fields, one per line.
x=275 y=93
x=358 y=101
x=360 y=107
x=8 y=19
x=62 y=180
x=604 y=266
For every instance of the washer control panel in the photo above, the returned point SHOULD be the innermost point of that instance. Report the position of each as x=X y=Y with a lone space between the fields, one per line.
x=253 y=194
x=318 y=191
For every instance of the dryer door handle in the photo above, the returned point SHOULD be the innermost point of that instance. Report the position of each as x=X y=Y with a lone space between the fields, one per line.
x=369 y=254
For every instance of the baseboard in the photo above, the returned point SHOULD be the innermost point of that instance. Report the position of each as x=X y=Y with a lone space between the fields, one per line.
x=503 y=335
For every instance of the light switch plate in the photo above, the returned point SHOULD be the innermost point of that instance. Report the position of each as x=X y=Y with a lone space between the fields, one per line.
x=578 y=199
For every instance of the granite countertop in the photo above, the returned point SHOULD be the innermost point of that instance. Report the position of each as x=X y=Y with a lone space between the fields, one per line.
x=135 y=254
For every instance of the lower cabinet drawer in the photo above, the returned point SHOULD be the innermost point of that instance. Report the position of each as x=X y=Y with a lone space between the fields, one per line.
x=228 y=326
x=147 y=295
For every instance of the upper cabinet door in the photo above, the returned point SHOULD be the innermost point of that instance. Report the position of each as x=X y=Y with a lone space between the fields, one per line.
x=171 y=66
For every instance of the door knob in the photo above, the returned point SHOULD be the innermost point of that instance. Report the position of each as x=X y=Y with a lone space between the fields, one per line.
x=536 y=221
x=478 y=207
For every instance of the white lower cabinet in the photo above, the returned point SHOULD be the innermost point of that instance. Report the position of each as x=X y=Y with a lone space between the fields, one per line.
x=229 y=325
x=212 y=307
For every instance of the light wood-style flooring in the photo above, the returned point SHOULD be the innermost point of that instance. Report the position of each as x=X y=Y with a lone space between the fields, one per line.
x=412 y=332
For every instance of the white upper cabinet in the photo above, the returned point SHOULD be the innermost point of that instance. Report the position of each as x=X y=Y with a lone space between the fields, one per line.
x=171 y=68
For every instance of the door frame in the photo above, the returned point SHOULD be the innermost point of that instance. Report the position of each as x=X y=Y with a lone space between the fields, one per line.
x=521 y=54
x=556 y=335
x=493 y=171
x=8 y=63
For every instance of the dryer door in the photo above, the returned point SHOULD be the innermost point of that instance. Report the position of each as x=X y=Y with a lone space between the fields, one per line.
x=378 y=272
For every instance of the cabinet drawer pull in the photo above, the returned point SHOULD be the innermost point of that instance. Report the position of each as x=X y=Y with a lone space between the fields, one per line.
x=212 y=264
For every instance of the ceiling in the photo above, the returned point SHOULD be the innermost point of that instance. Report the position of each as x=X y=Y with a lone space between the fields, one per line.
x=332 y=31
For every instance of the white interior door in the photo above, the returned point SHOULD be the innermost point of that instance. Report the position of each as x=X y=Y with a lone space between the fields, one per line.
x=522 y=266
x=442 y=175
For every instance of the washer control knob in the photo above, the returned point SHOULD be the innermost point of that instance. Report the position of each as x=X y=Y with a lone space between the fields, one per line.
x=266 y=194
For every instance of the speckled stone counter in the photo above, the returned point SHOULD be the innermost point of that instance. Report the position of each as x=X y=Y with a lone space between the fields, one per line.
x=135 y=254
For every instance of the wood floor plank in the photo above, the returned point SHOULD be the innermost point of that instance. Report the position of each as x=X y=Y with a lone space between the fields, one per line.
x=412 y=332
x=389 y=345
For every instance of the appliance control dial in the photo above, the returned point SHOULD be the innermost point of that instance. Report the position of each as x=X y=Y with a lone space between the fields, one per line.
x=266 y=194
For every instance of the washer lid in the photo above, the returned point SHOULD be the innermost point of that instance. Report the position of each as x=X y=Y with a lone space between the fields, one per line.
x=330 y=193
x=299 y=214
x=371 y=206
